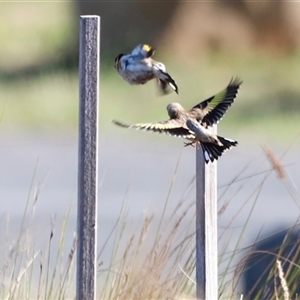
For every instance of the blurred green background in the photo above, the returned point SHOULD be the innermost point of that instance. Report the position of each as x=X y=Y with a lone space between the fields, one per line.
x=203 y=46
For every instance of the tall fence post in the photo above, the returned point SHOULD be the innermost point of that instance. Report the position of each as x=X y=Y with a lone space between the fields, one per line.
x=89 y=53
x=206 y=228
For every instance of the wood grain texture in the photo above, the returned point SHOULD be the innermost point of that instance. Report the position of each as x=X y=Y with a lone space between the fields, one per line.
x=89 y=53
x=206 y=228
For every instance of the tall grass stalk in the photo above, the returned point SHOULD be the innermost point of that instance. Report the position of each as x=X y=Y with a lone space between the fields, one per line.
x=27 y=272
x=18 y=247
x=151 y=259
x=230 y=257
x=290 y=282
x=148 y=265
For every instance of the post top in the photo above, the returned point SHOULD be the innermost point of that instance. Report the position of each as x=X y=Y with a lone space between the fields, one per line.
x=89 y=16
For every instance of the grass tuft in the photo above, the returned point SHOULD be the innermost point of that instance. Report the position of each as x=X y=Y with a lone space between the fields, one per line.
x=151 y=259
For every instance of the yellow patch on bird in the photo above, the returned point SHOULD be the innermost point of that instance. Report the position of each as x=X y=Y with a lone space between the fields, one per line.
x=218 y=98
x=146 y=47
x=163 y=126
x=154 y=126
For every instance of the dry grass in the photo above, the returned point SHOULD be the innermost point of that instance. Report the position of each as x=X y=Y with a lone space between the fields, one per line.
x=289 y=279
x=283 y=283
x=24 y=262
x=158 y=259
x=277 y=165
x=154 y=259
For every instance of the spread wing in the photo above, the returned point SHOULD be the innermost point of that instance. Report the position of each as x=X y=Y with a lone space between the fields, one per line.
x=217 y=105
x=171 y=127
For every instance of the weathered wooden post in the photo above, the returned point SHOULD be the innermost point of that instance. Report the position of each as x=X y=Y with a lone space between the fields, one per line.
x=89 y=52
x=206 y=228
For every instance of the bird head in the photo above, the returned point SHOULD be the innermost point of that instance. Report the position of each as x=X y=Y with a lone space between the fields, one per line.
x=174 y=110
x=148 y=50
x=143 y=50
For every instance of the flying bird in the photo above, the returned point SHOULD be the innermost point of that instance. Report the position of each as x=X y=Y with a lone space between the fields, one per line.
x=138 y=68
x=194 y=124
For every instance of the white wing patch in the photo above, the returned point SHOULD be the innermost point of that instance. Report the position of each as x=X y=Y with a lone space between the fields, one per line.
x=206 y=156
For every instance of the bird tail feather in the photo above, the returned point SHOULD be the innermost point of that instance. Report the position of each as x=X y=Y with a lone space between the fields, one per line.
x=212 y=152
x=165 y=80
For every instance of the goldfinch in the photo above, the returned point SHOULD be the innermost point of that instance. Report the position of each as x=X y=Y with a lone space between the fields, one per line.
x=138 y=68
x=194 y=124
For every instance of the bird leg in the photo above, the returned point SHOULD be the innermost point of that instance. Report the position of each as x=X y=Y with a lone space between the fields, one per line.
x=193 y=144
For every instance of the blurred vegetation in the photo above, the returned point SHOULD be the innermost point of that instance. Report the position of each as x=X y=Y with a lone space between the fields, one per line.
x=39 y=75
x=35 y=36
x=202 y=44
x=152 y=256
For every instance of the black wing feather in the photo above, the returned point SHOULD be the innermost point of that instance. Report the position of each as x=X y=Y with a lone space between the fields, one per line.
x=171 y=127
x=218 y=104
x=217 y=113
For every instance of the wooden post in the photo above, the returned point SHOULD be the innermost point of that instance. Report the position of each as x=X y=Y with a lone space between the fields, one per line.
x=206 y=228
x=89 y=52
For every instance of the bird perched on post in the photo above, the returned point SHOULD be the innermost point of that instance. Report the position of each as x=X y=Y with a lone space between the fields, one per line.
x=138 y=68
x=194 y=124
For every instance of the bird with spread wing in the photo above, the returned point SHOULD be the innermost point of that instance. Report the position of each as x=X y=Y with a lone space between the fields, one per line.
x=194 y=124
x=138 y=68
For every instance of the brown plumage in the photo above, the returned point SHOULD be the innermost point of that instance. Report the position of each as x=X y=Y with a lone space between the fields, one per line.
x=193 y=124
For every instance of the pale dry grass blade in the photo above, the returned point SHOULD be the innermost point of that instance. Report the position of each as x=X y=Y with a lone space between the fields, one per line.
x=277 y=166
x=148 y=267
x=255 y=195
x=282 y=173
x=68 y=275
x=284 y=286
x=22 y=273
